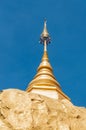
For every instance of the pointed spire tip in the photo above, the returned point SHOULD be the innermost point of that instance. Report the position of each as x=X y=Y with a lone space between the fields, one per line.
x=45 y=35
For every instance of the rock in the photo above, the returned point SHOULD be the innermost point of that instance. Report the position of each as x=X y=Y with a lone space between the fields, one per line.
x=20 y=110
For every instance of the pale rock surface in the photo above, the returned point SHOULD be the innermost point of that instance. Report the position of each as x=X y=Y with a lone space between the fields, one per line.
x=20 y=110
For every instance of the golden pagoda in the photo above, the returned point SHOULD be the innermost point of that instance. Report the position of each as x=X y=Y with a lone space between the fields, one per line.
x=44 y=82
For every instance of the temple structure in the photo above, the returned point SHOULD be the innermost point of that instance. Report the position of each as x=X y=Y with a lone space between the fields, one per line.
x=44 y=82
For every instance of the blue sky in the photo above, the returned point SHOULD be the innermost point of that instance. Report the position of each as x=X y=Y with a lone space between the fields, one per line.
x=21 y=23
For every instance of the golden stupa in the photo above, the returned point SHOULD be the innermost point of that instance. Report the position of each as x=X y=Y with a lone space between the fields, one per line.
x=44 y=81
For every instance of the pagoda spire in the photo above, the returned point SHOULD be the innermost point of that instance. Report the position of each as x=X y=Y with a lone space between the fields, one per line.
x=44 y=78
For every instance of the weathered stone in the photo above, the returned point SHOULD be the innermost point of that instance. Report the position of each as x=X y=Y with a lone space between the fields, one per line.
x=20 y=110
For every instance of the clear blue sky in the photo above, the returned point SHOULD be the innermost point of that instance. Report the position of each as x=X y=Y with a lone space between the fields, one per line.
x=21 y=22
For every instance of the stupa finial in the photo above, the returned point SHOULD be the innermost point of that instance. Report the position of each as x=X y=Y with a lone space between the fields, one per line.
x=45 y=37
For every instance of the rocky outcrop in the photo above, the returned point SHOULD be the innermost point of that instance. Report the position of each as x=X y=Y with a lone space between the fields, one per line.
x=20 y=110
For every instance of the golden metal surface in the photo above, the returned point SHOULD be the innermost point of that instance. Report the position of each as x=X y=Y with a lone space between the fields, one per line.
x=44 y=74
x=44 y=78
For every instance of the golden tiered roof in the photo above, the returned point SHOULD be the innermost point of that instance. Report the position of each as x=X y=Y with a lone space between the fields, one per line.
x=45 y=79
